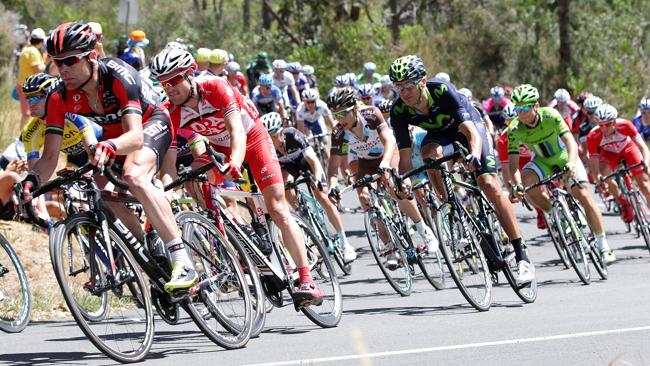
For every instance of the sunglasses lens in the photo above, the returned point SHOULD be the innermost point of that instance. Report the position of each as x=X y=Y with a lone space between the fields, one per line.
x=34 y=100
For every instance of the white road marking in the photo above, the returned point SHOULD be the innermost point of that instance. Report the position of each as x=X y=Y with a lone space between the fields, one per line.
x=453 y=347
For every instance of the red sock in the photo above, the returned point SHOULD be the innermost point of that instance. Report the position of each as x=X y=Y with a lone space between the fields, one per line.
x=305 y=275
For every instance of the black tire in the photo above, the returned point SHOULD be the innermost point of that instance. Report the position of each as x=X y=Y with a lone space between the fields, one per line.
x=222 y=307
x=255 y=285
x=132 y=344
x=329 y=313
x=467 y=265
x=15 y=297
x=591 y=250
x=432 y=266
x=553 y=232
x=641 y=216
x=573 y=241
x=399 y=278
x=320 y=227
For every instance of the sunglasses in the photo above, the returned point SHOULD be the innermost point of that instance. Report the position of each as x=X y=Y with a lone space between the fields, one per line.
x=524 y=108
x=343 y=113
x=169 y=84
x=408 y=85
x=606 y=123
x=645 y=111
x=70 y=60
x=590 y=112
x=35 y=99
x=310 y=101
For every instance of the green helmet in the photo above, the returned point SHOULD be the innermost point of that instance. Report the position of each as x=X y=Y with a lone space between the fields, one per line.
x=407 y=68
x=263 y=55
x=525 y=93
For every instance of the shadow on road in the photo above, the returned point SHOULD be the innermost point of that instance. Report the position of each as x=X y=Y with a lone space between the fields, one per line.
x=49 y=358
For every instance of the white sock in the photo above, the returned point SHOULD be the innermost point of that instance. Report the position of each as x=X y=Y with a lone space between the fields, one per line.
x=343 y=239
x=178 y=253
x=420 y=227
x=601 y=243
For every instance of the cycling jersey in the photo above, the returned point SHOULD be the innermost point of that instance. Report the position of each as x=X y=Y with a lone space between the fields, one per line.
x=74 y=130
x=525 y=155
x=619 y=145
x=494 y=108
x=312 y=119
x=582 y=126
x=569 y=109
x=266 y=104
x=294 y=145
x=369 y=146
x=283 y=83
x=643 y=129
x=544 y=139
x=120 y=92
x=447 y=110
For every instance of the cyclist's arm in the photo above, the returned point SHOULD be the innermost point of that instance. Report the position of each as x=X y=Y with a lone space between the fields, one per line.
x=645 y=152
x=281 y=109
x=310 y=156
x=301 y=126
x=133 y=137
x=235 y=127
x=388 y=140
x=470 y=132
x=329 y=120
x=44 y=167
x=513 y=164
x=572 y=147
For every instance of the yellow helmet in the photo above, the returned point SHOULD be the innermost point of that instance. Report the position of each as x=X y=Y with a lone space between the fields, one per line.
x=218 y=56
x=203 y=54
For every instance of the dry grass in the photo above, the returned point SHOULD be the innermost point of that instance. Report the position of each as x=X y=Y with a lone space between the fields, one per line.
x=9 y=117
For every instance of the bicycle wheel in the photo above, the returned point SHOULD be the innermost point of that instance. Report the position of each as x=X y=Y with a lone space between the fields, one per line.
x=125 y=332
x=398 y=275
x=220 y=303
x=641 y=216
x=465 y=259
x=15 y=297
x=329 y=313
x=432 y=266
x=553 y=232
x=254 y=283
x=592 y=251
x=319 y=227
x=573 y=241
x=526 y=292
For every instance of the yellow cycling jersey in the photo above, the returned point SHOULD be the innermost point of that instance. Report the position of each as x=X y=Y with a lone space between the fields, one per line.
x=75 y=129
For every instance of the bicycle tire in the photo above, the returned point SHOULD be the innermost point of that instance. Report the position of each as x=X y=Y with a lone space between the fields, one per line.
x=117 y=315
x=594 y=255
x=319 y=226
x=329 y=313
x=641 y=216
x=452 y=228
x=526 y=292
x=255 y=285
x=574 y=244
x=432 y=266
x=15 y=297
x=400 y=278
x=561 y=252
x=221 y=283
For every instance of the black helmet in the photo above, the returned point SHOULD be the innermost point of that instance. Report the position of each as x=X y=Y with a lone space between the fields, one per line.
x=40 y=83
x=75 y=36
x=342 y=98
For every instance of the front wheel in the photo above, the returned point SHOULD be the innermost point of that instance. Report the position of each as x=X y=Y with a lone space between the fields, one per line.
x=641 y=216
x=15 y=298
x=573 y=241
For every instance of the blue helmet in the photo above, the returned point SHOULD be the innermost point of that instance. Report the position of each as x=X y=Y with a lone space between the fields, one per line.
x=645 y=103
x=294 y=67
x=366 y=90
x=497 y=92
x=266 y=79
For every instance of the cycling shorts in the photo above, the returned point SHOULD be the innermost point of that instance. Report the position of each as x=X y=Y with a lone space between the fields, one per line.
x=158 y=136
x=631 y=155
x=371 y=166
x=260 y=156
x=543 y=170
x=314 y=127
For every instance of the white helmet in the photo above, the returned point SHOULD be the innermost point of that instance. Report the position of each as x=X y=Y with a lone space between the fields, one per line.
x=508 y=111
x=272 y=121
x=352 y=78
x=562 y=96
x=279 y=64
x=385 y=80
x=366 y=90
x=605 y=112
x=592 y=103
x=466 y=92
x=369 y=67
x=232 y=67
x=308 y=70
x=497 y=92
x=175 y=44
x=170 y=62
x=309 y=94
x=443 y=76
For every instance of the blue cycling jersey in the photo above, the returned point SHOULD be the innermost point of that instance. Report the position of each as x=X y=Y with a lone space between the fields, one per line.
x=275 y=96
x=644 y=130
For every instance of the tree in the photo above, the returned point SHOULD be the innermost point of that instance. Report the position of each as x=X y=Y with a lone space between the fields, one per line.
x=564 y=20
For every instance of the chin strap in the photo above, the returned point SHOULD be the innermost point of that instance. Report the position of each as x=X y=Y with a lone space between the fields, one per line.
x=192 y=90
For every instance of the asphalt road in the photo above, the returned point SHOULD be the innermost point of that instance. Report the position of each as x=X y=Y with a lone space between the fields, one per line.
x=605 y=323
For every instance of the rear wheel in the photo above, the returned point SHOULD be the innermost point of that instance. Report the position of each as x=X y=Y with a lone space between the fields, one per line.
x=388 y=253
x=15 y=298
x=641 y=216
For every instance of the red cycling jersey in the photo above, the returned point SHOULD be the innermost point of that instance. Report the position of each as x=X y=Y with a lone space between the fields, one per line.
x=121 y=92
x=525 y=155
x=217 y=99
x=619 y=145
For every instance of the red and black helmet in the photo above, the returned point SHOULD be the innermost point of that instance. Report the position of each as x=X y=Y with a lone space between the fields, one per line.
x=75 y=36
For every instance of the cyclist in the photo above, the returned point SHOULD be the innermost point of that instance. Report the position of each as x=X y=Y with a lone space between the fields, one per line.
x=612 y=140
x=284 y=80
x=257 y=68
x=308 y=71
x=370 y=138
x=236 y=78
x=297 y=156
x=368 y=76
x=562 y=102
x=436 y=106
x=268 y=97
x=231 y=123
x=310 y=112
x=137 y=133
x=495 y=104
x=385 y=91
x=585 y=126
x=202 y=60
x=443 y=76
x=544 y=131
x=642 y=121
x=295 y=68
x=366 y=94
x=217 y=62
x=340 y=82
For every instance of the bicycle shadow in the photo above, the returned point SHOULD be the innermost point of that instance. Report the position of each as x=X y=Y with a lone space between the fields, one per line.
x=49 y=358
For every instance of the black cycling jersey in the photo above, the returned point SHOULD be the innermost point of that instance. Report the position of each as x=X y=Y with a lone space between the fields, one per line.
x=295 y=145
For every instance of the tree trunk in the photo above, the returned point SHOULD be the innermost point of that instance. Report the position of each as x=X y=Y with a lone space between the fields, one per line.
x=220 y=15
x=267 y=18
x=247 y=16
x=355 y=11
x=394 y=21
x=564 y=19
x=196 y=6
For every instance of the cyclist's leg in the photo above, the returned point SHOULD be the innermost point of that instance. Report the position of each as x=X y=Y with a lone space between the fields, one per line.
x=533 y=172
x=643 y=181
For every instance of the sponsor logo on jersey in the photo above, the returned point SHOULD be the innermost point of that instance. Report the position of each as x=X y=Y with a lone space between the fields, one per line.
x=122 y=71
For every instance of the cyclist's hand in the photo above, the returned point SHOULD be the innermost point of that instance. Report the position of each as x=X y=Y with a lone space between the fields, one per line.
x=231 y=172
x=516 y=193
x=385 y=175
x=18 y=166
x=472 y=163
x=103 y=154
x=572 y=170
x=334 y=195
x=30 y=182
